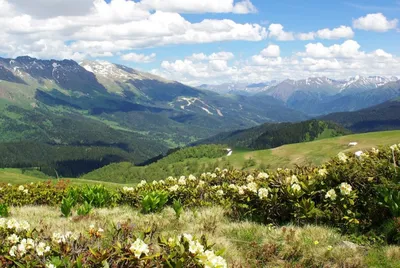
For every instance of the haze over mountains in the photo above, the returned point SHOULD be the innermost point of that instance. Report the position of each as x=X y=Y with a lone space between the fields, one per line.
x=322 y=95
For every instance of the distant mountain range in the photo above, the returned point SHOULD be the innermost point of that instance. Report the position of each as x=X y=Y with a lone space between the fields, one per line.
x=322 y=95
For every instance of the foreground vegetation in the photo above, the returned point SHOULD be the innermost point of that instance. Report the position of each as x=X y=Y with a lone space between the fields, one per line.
x=352 y=197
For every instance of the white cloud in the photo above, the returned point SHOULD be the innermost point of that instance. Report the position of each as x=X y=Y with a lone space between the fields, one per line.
x=203 y=6
x=118 y=26
x=271 y=51
x=306 y=36
x=338 y=61
x=276 y=31
x=375 y=22
x=139 y=58
x=348 y=49
x=337 y=33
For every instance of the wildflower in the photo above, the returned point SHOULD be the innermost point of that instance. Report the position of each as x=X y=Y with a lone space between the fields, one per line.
x=201 y=183
x=21 y=248
x=182 y=180
x=316 y=242
x=25 y=191
x=263 y=193
x=329 y=248
x=241 y=189
x=192 y=178
x=375 y=151
x=342 y=157
x=21 y=188
x=9 y=184
x=220 y=192
x=195 y=247
x=42 y=248
x=127 y=189
x=174 y=188
x=188 y=237
x=161 y=182
x=155 y=182
x=225 y=170
x=213 y=175
x=139 y=247
x=345 y=188
x=50 y=265
x=359 y=154
x=14 y=239
x=262 y=176
x=394 y=147
x=24 y=225
x=142 y=183
x=323 y=172
x=1 y=188
x=100 y=230
x=292 y=180
x=250 y=178
x=296 y=187
x=331 y=194
x=232 y=186
x=217 y=169
x=12 y=251
x=209 y=259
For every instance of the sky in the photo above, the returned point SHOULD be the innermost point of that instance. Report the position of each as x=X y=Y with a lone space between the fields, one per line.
x=211 y=41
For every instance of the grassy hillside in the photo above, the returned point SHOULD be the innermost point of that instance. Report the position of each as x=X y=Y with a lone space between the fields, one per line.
x=385 y=116
x=20 y=176
x=315 y=152
x=271 y=135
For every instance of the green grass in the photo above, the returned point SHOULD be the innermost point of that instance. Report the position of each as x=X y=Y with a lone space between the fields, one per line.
x=315 y=152
x=17 y=176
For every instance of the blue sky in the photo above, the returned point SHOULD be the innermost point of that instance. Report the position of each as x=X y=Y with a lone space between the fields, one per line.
x=211 y=41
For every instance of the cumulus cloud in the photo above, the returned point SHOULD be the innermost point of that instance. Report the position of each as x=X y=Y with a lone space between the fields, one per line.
x=139 y=58
x=101 y=28
x=276 y=31
x=271 y=51
x=203 y=6
x=337 y=33
x=337 y=61
x=376 y=22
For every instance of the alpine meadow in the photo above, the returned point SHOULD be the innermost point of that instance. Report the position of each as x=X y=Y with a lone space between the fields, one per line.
x=199 y=134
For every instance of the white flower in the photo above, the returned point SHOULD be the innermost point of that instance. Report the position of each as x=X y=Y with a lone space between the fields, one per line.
x=9 y=184
x=191 y=177
x=24 y=225
x=262 y=176
x=263 y=193
x=342 y=157
x=139 y=247
x=21 y=249
x=195 y=247
x=292 y=180
x=394 y=147
x=375 y=151
x=225 y=170
x=359 y=153
x=142 y=183
x=91 y=227
x=14 y=239
x=25 y=191
x=42 y=248
x=21 y=188
x=50 y=265
x=220 y=192
x=241 y=189
x=155 y=182
x=188 y=237
x=201 y=183
x=1 y=188
x=250 y=178
x=100 y=230
x=213 y=175
x=182 y=180
x=345 y=188
x=161 y=182
x=12 y=251
x=252 y=186
x=323 y=172
x=173 y=188
x=217 y=169
x=210 y=260
x=331 y=194
x=232 y=186
x=296 y=187
x=127 y=189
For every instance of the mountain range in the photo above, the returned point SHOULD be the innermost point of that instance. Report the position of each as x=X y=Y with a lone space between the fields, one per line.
x=321 y=95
